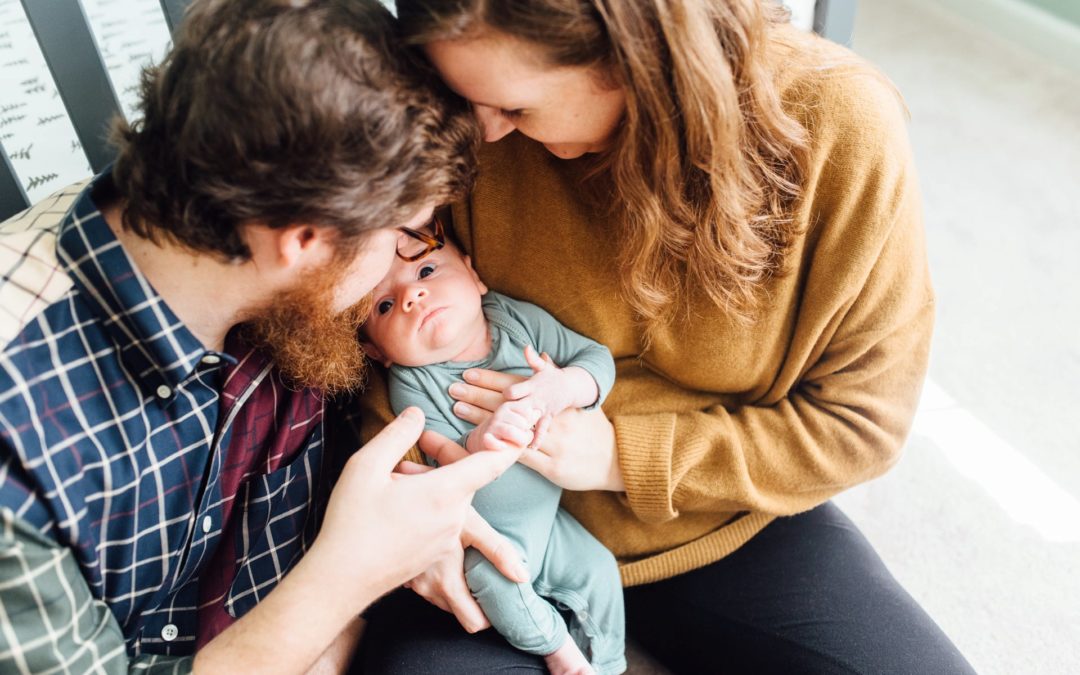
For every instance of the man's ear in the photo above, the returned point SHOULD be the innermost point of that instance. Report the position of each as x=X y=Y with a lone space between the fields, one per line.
x=374 y=353
x=302 y=244
x=476 y=277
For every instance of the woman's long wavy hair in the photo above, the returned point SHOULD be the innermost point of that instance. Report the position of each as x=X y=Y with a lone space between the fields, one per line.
x=707 y=167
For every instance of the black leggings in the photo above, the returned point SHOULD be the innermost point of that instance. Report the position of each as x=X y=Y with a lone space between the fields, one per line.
x=808 y=594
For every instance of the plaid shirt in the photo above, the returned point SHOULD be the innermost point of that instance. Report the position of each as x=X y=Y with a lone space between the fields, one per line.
x=150 y=490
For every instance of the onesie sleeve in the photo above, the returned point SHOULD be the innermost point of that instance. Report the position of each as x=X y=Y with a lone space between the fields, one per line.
x=564 y=346
x=405 y=390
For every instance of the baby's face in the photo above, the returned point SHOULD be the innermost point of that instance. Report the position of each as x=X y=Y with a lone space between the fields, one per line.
x=427 y=311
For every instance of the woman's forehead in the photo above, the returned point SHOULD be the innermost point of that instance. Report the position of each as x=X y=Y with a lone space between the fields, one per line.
x=500 y=72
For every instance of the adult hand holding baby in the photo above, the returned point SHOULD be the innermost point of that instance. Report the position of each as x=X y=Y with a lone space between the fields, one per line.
x=578 y=451
x=443 y=583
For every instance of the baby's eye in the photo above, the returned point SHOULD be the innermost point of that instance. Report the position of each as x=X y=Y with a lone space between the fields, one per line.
x=384 y=306
x=426 y=270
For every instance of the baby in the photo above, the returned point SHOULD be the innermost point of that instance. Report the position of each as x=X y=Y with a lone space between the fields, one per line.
x=432 y=319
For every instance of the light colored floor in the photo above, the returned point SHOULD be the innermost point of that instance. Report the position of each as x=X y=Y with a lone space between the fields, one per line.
x=981 y=518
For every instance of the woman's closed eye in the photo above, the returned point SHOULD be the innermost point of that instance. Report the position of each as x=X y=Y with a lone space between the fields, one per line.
x=511 y=114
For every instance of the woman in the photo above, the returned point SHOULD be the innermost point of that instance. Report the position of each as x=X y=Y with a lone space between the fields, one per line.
x=730 y=206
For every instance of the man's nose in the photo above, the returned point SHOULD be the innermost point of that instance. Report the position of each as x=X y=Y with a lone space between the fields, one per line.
x=495 y=125
x=413 y=294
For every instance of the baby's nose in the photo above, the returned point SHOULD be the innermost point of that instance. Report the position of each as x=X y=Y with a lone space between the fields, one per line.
x=413 y=294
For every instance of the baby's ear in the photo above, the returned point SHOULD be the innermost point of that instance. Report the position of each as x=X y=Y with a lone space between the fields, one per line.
x=476 y=277
x=374 y=353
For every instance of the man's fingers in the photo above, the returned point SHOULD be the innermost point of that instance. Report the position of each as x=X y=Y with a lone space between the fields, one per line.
x=465 y=608
x=495 y=547
x=441 y=449
x=493 y=443
x=386 y=449
x=411 y=468
x=469 y=474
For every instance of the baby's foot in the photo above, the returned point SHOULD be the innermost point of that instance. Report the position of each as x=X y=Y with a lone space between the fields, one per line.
x=568 y=660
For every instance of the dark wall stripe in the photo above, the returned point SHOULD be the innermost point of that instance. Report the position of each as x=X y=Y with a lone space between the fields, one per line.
x=12 y=197
x=835 y=19
x=64 y=35
x=174 y=12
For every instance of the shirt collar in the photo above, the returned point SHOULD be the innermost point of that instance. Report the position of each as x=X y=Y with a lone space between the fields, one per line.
x=154 y=345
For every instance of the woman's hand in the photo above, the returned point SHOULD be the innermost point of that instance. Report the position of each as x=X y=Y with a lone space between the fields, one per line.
x=578 y=452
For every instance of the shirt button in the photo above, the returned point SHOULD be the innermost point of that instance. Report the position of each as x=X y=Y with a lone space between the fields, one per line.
x=207 y=524
x=211 y=359
x=169 y=632
x=164 y=391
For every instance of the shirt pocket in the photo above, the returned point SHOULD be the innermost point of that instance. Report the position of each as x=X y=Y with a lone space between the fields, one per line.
x=280 y=513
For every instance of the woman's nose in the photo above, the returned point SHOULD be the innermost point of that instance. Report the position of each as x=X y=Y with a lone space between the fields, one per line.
x=495 y=125
x=412 y=295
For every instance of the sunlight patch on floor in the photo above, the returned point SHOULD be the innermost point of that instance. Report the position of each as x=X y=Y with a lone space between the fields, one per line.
x=1017 y=485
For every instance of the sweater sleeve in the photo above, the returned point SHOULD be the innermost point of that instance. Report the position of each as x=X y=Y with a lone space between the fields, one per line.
x=859 y=348
x=565 y=346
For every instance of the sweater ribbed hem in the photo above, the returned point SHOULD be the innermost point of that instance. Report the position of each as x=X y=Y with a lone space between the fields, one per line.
x=646 y=446
x=695 y=554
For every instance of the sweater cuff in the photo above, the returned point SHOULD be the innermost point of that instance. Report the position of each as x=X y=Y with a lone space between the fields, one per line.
x=644 y=445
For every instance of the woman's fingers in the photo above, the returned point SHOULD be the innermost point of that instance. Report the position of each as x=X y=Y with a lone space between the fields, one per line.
x=490 y=379
x=537 y=461
x=480 y=397
x=541 y=432
x=471 y=413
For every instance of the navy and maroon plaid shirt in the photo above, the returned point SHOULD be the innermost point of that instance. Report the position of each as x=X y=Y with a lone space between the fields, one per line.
x=150 y=490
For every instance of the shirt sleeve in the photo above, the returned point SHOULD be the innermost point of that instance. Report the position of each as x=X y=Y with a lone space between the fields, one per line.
x=565 y=346
x=858 y=367
x=50 y=621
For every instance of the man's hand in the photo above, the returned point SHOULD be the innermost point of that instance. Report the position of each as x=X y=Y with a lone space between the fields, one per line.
x=382 y=529
x=443 y=584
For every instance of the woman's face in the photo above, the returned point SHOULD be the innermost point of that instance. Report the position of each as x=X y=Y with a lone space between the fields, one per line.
x=571 y=110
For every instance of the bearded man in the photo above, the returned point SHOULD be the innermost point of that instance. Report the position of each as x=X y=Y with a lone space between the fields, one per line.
x=170 y=332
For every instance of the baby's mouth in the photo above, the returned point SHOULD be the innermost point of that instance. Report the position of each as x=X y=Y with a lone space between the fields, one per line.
x=423 y=322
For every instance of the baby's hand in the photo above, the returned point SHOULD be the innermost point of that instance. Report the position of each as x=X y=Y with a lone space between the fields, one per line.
x=547 y=389
x=510 y=427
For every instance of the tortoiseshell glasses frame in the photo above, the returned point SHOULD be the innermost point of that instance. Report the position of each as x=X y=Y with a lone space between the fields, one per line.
x=431 y=243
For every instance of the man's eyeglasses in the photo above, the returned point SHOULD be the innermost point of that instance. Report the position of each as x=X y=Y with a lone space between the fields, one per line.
x=419 y=243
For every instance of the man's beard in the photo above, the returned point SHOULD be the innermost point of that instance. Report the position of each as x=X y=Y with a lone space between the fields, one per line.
x=310 y=344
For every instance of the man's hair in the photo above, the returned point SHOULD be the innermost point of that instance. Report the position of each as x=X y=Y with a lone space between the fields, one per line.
x=288 y=112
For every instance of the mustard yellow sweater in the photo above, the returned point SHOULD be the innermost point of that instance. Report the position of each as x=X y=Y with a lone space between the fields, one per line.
x=722 y=427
